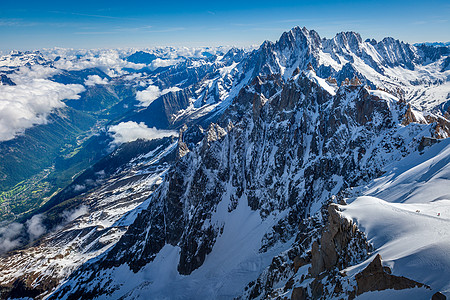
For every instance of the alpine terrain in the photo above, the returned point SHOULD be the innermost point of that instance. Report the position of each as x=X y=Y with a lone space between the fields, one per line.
x=306 y=168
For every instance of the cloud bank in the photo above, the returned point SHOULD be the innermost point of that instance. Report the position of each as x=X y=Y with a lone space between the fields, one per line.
x=109 y=61
x=35 y=228
x=10 y=237
x=16 y=234
x=70 y=215
x=95 y=79
x=157 y=63
x=147 y=96
x=131 y=131
x=29 y=102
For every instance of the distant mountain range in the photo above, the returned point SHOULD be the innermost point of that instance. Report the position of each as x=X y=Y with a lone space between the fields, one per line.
x=434 y=44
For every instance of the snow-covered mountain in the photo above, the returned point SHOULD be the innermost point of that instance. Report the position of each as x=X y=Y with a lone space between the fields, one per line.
x=243 y=203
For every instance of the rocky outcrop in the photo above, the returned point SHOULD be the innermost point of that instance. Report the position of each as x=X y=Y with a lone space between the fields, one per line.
x=376 y=277
x=438 y=296
x=335 y=243
x=5 y=80
x=331 y=251
x=299 y=293
x=330 y=255
x=409 y=117
x=441 y=125
x=182 y=148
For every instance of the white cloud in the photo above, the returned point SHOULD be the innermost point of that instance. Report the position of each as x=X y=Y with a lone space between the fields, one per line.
x=131 y=131
x=30 y=101
x=109 y=61
x=25 y=74
x=157 y=63
x=15 y=234
x=95 y=79
x=10 y=237
x=131 y=77
x=79 y=187
x=35 y=227
x=172 y=89
x=147 y=96
x=70 y=215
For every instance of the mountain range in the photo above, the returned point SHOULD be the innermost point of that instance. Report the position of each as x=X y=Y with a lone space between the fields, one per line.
x=306 y=168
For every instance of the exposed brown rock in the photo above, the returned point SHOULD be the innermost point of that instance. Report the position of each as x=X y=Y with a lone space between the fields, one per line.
x=299 y=293
x=331 y=80
x=296 y=71
x=334 y=240
x=345 y=82
x=442 y=129
x=447 y=114
x=258 y=103
x=182 y=149
x=355 y=81
x=438 y=296
x=409 y=117
x=299 y=262
x=375 y=277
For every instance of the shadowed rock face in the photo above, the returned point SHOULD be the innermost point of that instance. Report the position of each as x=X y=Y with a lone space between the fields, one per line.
x=438 y=296
x=6 y=80
x=375 y=277
x=333 y=249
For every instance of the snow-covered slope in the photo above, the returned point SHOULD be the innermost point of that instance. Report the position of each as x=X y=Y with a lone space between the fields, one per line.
x=84 y=227
x=406 y=215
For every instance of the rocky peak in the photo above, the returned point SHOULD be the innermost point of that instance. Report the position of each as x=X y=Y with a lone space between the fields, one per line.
x=376 y=277
x=5 y=80
x=26 y=58
x=373 y=42
x=397 y=53
x=332 y=250
x=350 y=40
x=431 y=53
x=295 y=49
x=234 y=55
x=213 y=133
x=182 y=149
x=299 y=38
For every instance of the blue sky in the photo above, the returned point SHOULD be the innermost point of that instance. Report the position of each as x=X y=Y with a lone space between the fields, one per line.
x=130 y=23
